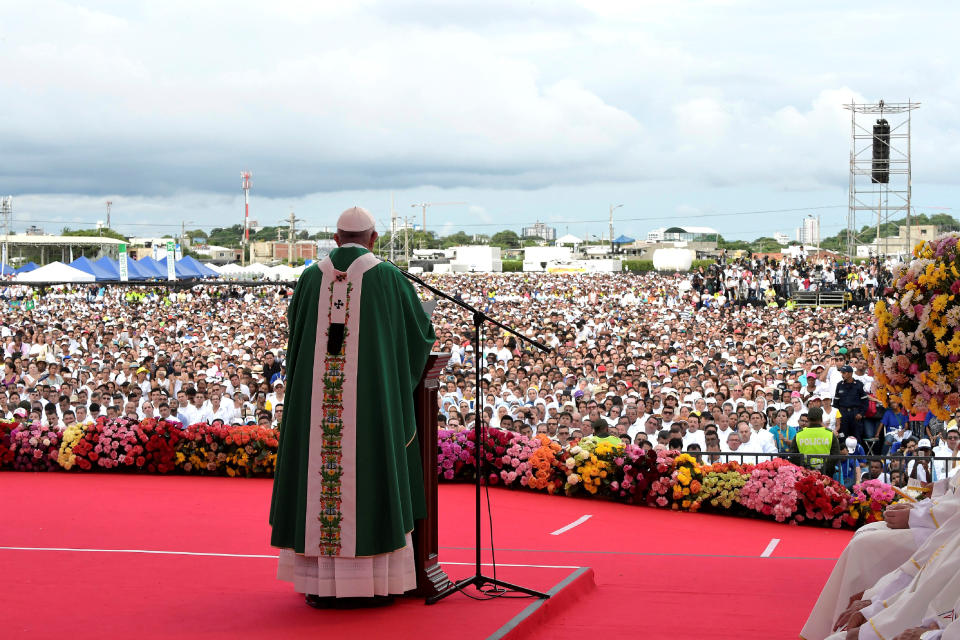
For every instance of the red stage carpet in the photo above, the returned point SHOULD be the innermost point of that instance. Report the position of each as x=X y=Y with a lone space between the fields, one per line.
x=78 y=559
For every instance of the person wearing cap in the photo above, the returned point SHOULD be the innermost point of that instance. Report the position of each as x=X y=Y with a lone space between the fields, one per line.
x=359 y=341
x=851 y=465
x=920 y=467
x=850 y=399
x=816 y=440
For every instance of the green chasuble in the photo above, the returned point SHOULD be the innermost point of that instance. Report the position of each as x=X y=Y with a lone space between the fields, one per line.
x=358 y=500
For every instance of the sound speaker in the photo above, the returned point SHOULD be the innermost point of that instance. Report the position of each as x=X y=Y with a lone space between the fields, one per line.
x=881 y=152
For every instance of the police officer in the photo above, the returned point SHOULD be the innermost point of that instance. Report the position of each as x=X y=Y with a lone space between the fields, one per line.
x=851 y=400
x=817 y=439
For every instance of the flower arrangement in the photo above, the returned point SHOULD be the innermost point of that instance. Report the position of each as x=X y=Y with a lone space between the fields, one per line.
x=591 y=464
x=869 y=499
x=516 y=458
x=771 y=489
x=158 y=441
x=251 y=451
x=668 y=479
x=913 y=351
x=118 y=444
x=6 y=443
x=543 y=466
x=822 y=498
x=455 y=453
x=721 y=486
x=661 y=489
x=83 y=454
x=35 y=447
x=636 y=475
x=69 y=438
x=687 y=479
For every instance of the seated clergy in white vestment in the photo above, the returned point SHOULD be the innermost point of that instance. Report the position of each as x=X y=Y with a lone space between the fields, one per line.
x=878 y=549
x=927 y=599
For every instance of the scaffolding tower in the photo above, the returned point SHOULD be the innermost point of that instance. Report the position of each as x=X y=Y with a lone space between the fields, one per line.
x=880 y=169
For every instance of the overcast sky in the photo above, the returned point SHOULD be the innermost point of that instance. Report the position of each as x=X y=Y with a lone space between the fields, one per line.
x=684 y=112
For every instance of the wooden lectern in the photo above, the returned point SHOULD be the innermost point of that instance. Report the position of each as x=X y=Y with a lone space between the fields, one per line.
x=431 y=579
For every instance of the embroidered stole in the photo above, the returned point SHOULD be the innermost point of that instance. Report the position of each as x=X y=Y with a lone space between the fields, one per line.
x=331 y=518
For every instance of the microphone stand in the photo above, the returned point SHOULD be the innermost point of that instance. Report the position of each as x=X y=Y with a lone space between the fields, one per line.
x=478 y=580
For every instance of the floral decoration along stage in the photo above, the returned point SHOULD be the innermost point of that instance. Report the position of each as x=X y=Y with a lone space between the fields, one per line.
x=913 y=351
x=775 y=489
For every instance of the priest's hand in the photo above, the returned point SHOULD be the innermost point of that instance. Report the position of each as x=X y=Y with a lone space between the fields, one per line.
x=854 y=623
x=899 y=505
x=852 y=634
x=897 y=518
x=855 y=597
x=916 y=632
x=848 y=614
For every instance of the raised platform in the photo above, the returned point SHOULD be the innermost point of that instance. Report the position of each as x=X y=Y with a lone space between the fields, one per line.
x=97 y=555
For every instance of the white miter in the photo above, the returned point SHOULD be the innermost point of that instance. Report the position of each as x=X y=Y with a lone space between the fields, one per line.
x=356 y=219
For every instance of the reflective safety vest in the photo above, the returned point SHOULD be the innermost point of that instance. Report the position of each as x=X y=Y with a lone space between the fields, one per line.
x=814 y=440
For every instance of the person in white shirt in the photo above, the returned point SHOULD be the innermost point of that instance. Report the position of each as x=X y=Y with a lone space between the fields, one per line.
x=221 y=408
x=758 y=424
x=831 y=415
x=950 y=449
x=798 y=410
x=693 y=434
x=275 y=398
x=724 y=429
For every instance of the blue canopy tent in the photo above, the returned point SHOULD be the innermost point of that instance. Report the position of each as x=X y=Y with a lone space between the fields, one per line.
x=151 y=267
x=185 y=270
x=133 y=270
x=198 y=266
x=136 y=271
x=100 y=273
x=622 y=239
x=30 y=266
x=6 y=270
x=106 y=264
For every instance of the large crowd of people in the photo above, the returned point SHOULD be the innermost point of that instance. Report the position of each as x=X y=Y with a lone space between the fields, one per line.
x=713 y=361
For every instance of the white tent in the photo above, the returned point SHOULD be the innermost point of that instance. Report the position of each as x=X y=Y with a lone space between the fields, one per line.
x=232 y=269
x=283 y=272
x=56 y=272
x=569 y=239
x=257 y=269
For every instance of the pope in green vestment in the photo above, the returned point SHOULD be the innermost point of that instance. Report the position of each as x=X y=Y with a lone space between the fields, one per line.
x=348 y=480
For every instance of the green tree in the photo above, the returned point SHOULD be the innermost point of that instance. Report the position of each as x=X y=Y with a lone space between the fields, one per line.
x=103 y=233
x=457 y=239
x=505 y=239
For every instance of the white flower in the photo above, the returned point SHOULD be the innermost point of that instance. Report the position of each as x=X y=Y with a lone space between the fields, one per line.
x=575 y=450
x=573 y=478
x=571 y=463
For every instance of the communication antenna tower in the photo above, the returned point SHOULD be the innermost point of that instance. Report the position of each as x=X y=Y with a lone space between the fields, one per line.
x=245 y=186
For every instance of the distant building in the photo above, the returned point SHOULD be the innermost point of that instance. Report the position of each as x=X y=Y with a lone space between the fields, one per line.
x=539 y=230
x=656 y=235
x=280 y=251
x=899 y=244
x=782 y=239
x=809 y=231
x=34 y=230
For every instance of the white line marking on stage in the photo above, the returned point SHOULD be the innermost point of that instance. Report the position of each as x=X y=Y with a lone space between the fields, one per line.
x=770 y=547
x=252 y=555
x=575 y=523
x=526 y=566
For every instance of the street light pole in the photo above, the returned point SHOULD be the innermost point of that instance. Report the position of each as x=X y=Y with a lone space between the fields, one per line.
x=612 y=207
